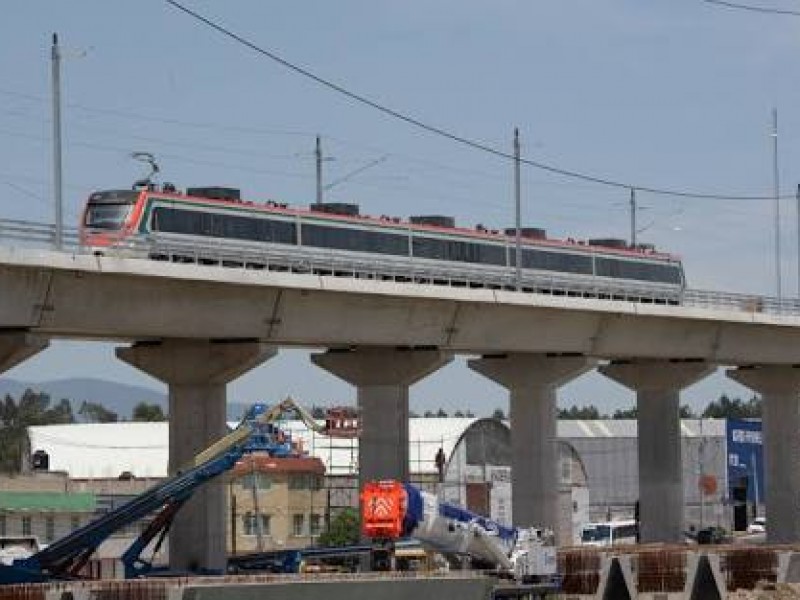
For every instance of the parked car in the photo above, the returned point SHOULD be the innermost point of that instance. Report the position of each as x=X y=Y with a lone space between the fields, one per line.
x=759 y=525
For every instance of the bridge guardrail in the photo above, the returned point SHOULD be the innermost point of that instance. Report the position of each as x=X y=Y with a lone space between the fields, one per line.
x=327 y=262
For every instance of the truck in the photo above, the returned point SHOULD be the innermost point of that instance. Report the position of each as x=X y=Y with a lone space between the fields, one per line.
x=392 y=510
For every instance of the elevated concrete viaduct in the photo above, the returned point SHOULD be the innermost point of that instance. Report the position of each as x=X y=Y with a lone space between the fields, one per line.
x=198 y=327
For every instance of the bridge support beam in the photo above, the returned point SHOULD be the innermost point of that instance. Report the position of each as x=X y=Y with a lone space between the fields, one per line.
x=196 y=372
x=657 y=384
x=18 y=346
x=382 y=377
x=532 y=381
x=779 y=386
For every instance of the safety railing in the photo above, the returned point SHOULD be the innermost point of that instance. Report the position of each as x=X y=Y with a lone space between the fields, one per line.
x=304 y=260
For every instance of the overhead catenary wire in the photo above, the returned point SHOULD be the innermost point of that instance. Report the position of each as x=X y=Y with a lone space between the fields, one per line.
x=396 y=114
x=752 y=8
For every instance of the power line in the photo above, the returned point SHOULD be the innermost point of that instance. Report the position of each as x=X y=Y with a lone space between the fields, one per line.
x=449 y=135
x=750 y=7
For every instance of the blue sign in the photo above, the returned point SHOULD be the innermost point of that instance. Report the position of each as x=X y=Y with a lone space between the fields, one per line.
x=745 y=457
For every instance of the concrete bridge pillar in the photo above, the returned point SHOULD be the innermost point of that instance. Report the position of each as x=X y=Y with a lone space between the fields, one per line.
x=196 y=372
x=532 y=381
x=779 y=386
x=657 y=384
x=382 y=377
x=18 y=346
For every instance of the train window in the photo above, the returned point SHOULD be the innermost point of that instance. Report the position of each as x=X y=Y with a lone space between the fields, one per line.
x=554 y=261
x=357 y=240
x=458 y=251
x=237 y=227
x=640 y=271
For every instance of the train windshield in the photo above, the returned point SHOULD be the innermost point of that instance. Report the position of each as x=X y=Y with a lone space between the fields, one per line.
x=596 y=533
x=108 y=210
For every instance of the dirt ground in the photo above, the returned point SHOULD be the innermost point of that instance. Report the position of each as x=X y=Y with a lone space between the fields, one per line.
x=780 y=591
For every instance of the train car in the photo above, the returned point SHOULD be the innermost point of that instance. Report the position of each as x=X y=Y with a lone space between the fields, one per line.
x=213 y=225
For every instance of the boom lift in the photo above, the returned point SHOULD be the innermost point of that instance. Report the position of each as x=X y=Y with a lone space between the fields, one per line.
x=391 y=510
x=65 y=558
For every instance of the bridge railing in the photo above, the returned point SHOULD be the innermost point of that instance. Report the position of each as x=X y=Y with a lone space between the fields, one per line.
x=257 y=256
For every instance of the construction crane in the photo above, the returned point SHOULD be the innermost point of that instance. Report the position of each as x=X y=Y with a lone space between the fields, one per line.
x=65 y=558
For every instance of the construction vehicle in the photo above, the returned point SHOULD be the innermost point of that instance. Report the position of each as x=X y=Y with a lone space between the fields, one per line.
x=391 y=510
x=66 y=558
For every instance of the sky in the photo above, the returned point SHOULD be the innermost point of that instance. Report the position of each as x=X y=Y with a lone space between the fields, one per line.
x=662 y=94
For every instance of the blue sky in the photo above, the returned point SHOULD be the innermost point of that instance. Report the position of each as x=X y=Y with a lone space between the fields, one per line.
x=661 y=94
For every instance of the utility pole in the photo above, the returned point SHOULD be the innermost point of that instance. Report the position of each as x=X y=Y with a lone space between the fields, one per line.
x=798 y=240
x=318 y=154
x=775 y=182
x=55 y=56
x=633 y=217
x=518 y=211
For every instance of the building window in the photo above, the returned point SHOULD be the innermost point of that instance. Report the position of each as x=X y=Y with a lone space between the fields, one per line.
x=75 y=522
x=315 y=524
x=250 y=524
x=305 y=481
x=262 y=481
x=298 y=525
x=49 y=529
x=26 y=526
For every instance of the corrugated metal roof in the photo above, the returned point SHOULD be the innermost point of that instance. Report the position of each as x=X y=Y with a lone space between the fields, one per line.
x=47 y=501
x=103 y=450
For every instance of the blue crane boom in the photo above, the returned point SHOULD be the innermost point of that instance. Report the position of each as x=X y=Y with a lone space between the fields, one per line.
x=65 y=558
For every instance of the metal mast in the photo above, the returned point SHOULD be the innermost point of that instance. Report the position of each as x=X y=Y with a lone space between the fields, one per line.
x=318 y=154
x=55 y=56
x=518 y=211
x=775 y=182
x=633 y=217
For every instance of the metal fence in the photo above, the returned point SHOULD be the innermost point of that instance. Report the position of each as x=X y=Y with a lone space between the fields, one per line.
x=305 y=260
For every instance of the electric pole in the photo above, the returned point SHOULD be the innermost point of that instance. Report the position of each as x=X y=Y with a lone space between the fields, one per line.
x=518 y=211
x=633 y=217
x=318 y=154
x=55 y=56
x=775 y=183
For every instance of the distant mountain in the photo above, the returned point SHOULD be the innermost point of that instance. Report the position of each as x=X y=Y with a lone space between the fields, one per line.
x=119 y=397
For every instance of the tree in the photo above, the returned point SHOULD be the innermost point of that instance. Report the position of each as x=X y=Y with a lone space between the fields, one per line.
x=727 y=408
x=441 y=413
x=428 y=414
x=92 y=412
x=583 y=412
x=686 y=412
x=343 y=530
x=318 y=412
x=15 y=417
x=148 y=412
x=459 y=414
x=498 y=414
x=627 y=413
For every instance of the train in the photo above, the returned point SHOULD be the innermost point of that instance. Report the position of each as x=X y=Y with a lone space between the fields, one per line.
x=214 y=225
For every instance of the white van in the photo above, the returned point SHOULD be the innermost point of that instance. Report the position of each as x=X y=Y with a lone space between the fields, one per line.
x=609 y=533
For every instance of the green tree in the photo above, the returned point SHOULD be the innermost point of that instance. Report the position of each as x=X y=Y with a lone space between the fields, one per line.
x=498 y=414
x=343 y=530
x=93 y=412
x=441 y=413
x=148 y=412
x=736 y=408
x=626 y=413
x=318 y=412
x=582 y=412
x=15 y=417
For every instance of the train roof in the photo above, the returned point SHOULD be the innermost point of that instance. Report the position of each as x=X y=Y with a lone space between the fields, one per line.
x=273 y=206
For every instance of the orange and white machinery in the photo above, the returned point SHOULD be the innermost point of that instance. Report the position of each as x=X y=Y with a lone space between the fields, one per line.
x=391 y=510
